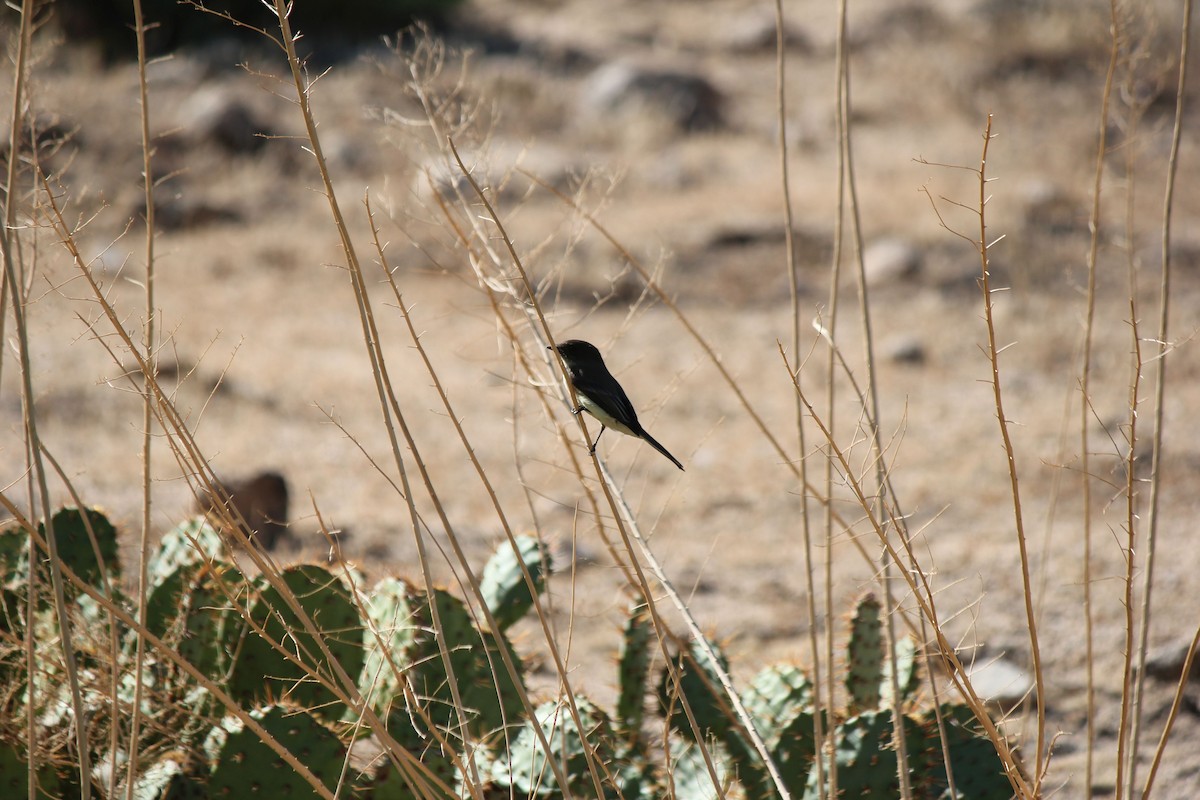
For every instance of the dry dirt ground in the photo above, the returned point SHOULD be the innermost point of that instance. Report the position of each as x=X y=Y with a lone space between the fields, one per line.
x=260 y=325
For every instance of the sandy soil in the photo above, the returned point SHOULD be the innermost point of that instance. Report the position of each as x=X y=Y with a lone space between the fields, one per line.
x=260 y=324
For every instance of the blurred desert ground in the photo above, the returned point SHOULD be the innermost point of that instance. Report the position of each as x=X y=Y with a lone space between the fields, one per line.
x=262 y=339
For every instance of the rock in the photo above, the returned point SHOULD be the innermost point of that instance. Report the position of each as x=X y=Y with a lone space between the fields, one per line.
x=755 y=32
x=1165 y=663
x=1049 y=207
x=213 y=116
x=258 y=505
x=498 y=170
x=891 y=260
x=904 y=349
x=1000 y=681
x=186 y=213
x=687 y=99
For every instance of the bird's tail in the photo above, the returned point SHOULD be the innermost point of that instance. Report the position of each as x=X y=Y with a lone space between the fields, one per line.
x=654 y=443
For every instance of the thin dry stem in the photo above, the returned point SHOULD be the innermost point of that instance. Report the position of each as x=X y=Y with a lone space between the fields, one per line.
x=1160 y=382
x=150 y=344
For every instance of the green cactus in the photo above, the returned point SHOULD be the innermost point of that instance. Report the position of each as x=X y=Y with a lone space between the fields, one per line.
x=977 y=769
x=192 y=542
x=864 y=656
x=526 y=770
x=868 y=669
x=908 y=676
x=170 y=778
x=14 y=775
x=91 y=560
x=12 y=630
x=244 y=765
x=262 y=672
x=633 y=668
x=699 y=684
x=504 y=588
x=409 y=652
x=210 y=626
x=866 y=757
x=392 y=784
x=12 y=614
x=780 y=703
x=688 y=776
x=14 y=555
x=776 y=696
x=183 y=556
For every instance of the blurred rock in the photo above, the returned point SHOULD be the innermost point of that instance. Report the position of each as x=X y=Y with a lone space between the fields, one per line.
x=213 y=116
x=891 y=260
x=901 y=21
x=499 y=169
x=44 y=133
x=181 y=212
x=755 y=32
x=1165 y=663
x=1000 y=681
x=904 y=349
x=258 y=505
x=687 y=99
x=1051 y=208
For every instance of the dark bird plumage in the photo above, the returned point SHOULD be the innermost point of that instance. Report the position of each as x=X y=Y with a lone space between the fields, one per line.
x=601 y=395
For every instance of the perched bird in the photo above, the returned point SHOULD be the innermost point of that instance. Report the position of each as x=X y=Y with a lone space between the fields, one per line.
x=601 y=396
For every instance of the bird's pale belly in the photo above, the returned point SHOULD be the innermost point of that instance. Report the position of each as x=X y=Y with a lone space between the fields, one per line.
x=606 y=419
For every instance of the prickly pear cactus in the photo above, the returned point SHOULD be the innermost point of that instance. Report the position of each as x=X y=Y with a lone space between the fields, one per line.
x=14 y=555
x=976 y=767
x=436 y=783
x=688 y=777
x=526 y=770
x=776 y=697
x=780 y=702
x=698 y=683
x=864 y=657
x=12 y=615
x=261 y=672
x=908 y=676
x=194 y=542
x=503 y=585
x=12 y=630
x=210 y=627
x=14 y=776
x=170 y=778
x=87 y=544
x=409 y=651
x=866 y=757
x=243 y=765
x=633 y=669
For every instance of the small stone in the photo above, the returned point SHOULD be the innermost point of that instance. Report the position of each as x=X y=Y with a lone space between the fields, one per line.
x=1165 y=663
x=259 y=504
x=1000 y=681
x=905 y=349
x=687 y=99
x=757 y=32
x=891 y=260
x=215 y=117
x=1049 y=207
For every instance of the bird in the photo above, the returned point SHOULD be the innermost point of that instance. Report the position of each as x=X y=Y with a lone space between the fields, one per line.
x=601 y=396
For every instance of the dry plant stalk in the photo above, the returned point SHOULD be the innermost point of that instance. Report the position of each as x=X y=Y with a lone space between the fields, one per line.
x=523 y=322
